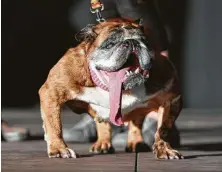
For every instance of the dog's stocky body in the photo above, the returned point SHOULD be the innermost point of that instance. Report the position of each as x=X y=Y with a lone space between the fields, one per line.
x=109 y=75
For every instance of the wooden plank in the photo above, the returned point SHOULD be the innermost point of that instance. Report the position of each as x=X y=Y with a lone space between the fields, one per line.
x=194 y=161
x=31 y=156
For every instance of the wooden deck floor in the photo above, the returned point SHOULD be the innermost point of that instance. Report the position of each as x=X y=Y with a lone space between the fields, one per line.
x=201 y=146
x=31 y=156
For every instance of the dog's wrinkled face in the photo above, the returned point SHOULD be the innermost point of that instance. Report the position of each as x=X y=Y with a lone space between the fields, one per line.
x=120 y=46
x=119 y=59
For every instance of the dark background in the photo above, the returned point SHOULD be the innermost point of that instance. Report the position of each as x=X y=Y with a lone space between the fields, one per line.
x=36 y=33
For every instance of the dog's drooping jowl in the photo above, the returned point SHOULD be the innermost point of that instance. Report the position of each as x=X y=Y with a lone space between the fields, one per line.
x=115 y=76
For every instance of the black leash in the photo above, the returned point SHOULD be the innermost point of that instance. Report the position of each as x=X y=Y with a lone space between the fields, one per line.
x=136 y=162
x=97 y=7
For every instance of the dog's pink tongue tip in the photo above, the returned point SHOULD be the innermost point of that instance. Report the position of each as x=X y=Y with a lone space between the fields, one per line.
x=115 y=93
x=118 y=122
x=116 y=119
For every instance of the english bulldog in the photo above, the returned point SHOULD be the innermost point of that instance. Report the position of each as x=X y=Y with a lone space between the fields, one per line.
x=115 y=76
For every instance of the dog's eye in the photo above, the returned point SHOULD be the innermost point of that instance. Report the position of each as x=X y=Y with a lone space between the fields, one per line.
x=110 y=45
x=107 y=45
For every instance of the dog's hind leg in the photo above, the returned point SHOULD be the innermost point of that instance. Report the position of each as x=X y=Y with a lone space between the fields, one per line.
x=167 y=115
x=51 y=101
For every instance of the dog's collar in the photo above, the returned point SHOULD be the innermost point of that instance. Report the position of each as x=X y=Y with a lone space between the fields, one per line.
x=97 y=78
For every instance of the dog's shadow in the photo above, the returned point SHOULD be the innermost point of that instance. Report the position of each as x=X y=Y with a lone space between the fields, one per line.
x=142 y=147
x=202 y=155
x=85 y=155
x=202 y=147
x=196 y=147
x=185 y=157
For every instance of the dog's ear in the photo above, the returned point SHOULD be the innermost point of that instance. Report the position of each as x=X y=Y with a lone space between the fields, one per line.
x=86 y=34
x=140 y=23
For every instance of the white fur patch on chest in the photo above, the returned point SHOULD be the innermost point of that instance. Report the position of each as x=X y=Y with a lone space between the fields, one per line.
x=99 y=100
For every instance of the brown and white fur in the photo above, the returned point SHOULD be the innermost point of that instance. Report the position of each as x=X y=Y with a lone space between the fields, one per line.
x=70 y=82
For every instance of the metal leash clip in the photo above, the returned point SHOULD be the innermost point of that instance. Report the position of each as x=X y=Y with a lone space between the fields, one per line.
x=97 y=7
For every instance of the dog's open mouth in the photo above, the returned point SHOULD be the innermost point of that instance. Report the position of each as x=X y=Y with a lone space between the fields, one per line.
x=127 y=77
x=130 y=75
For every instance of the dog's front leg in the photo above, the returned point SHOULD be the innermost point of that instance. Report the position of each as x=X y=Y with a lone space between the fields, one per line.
x=51 y=102
x=166 y=117
x=104 y=134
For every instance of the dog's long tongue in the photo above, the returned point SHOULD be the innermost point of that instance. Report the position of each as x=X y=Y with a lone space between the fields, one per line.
x=115 y=94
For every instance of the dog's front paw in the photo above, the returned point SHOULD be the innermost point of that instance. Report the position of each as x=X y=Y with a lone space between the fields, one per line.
x=102 y=147
x=135 y=140
x=61 y=152
x=163 y=150
x=137 y=147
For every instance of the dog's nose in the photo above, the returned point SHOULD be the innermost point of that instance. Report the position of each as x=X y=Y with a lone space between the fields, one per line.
x=131 y=42
x=127 y=42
